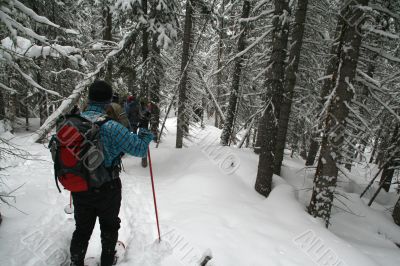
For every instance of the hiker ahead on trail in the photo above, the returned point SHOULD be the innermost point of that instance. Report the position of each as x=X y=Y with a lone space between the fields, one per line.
x=133 y=110
x=96 y=188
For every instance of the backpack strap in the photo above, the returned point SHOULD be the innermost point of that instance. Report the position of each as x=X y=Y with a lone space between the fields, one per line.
x=53 y=146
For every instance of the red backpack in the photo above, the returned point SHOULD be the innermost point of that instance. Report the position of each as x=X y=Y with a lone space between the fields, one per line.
x=77 y=154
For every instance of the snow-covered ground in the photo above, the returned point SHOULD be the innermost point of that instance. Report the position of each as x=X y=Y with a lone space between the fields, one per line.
x=207 y=204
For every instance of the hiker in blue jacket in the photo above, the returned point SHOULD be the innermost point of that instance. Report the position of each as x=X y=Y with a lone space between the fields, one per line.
x=104 y=202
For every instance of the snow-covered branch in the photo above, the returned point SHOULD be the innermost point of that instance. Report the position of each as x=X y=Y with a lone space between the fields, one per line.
x=7 y=88
x=382 y=53
x=33 y=15
x=67 y=104
x=30 y=80
x=382 y=9
x=25 y=47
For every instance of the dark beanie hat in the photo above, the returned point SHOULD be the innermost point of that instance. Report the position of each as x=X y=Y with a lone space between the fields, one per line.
x=100 y=91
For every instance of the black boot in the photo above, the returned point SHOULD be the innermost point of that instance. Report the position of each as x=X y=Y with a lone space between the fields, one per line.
x=144 y=162
x=76 y=264
x=108 y=258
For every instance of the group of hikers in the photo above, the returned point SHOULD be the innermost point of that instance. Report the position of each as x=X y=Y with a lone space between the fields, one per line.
x=135 y=114
x=96 y=191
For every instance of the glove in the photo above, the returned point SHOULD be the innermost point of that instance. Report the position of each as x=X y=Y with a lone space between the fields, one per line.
x=145 y=135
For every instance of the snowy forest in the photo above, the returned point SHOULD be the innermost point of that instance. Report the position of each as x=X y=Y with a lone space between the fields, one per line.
x=276 y=128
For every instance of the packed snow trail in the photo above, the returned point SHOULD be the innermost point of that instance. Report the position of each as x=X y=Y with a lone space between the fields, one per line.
x=47 y=230
x=207 y=205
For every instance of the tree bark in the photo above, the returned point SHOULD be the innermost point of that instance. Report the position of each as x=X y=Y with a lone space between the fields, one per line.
x=388 y=169
x=107 y=36
x=42 y=101
x=375 y=147
x=12 y=110
x=2 y=106
x=219 y=63
x=144 y=92
x=233 y=98
x=158 y=72
x=383 y=145
x=335 y=123
x=254 y=136
x=274 y=82
x=26 y=110
x=303 y=149
x=396 y=213
x=313 y=150
x=290 y=82
x=182 y=119
x=132 y=79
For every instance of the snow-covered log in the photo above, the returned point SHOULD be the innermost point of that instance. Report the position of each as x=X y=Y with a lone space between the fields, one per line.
x=69 y=102
x=64 y=108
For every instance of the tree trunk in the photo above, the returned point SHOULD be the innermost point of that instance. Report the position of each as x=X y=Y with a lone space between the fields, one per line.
x=382 y=147
x=158 y=72
x=26 y=110
x=144 y=92
x=374 y=148
x=274 y=81
x=387 y=176
x=326 y=88
x=303 y=149
x=182 y=119
x=259 y=136
x=388 y=169
x=290 y=82
x=2 y=106
x=362 y=98
x=219 y=63
x=233 y=98
x=396 y=213
x=12 y=111
x=335 y=123
x=313 y=150
x=42 y=100
x=42 y=108
x=132 y=79
x=254 y=136
x=107 y=36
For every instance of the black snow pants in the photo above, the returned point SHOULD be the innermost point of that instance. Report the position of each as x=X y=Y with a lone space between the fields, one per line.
x=104 y=203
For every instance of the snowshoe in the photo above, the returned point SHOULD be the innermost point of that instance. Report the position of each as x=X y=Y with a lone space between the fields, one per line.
x=91 y=261
x=119 y=252
x=119 y=256
x=206 y=259
x=144 y=162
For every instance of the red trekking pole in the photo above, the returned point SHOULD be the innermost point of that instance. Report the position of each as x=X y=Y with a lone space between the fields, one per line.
x=154 y=194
